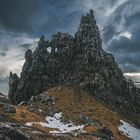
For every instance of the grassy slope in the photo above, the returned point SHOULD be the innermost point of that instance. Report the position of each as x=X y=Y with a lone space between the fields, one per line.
x=72 y=102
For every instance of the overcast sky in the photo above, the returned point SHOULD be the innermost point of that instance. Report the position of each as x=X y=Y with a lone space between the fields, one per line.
x=23 y=21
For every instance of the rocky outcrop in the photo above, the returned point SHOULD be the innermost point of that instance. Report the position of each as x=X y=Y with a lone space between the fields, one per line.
x=76 y=61
x=11 y=131
x=13 y=84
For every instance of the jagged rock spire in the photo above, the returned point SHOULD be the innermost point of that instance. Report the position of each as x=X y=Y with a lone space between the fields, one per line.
x=77 y=62
x=88 y=31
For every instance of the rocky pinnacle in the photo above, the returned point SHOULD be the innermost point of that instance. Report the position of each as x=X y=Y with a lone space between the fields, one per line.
x=77 y=61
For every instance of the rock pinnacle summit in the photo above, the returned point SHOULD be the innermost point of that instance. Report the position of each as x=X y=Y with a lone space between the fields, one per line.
x=80 y=62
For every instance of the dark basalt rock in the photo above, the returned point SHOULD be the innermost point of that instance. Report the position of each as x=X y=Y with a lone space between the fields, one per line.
x=9 y=108
x=13 y=85
x=12 y=132
x=108 y=135
x=76 y=61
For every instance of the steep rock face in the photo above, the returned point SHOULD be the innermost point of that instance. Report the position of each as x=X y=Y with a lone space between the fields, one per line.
x=13 y=84
x=77 y=61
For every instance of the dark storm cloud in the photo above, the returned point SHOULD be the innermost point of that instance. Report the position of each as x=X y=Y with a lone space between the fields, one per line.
x=3 y=54
x=108 y=32
x=23 y=21
x=25 y=46
x=124 y=44
x=18 y=15
x=61 y=16
x=125 y=20
x=114 y=17
x=36 y=16
x=132 y=19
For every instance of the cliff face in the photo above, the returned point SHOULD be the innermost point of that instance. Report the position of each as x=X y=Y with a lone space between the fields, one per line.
x=80 y=62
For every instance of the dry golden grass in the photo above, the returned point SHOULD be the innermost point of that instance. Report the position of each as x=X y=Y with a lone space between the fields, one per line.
x=23 y=115
x=30 y=117
x=73 y=102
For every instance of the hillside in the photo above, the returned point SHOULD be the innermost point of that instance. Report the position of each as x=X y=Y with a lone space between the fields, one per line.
x=87 y=117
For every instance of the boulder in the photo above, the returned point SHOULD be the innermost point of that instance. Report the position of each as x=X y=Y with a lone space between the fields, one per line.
x=9 y=108
x=86 y=120
x=22 y=103
x=13 y=132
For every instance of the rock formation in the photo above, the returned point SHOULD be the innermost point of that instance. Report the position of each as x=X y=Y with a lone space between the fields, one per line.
x=77 y=61
x=13 y=84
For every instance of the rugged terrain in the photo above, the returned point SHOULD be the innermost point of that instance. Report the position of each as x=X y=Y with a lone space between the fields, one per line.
x=86 y=117
x=72 y=82
x=80 y=62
